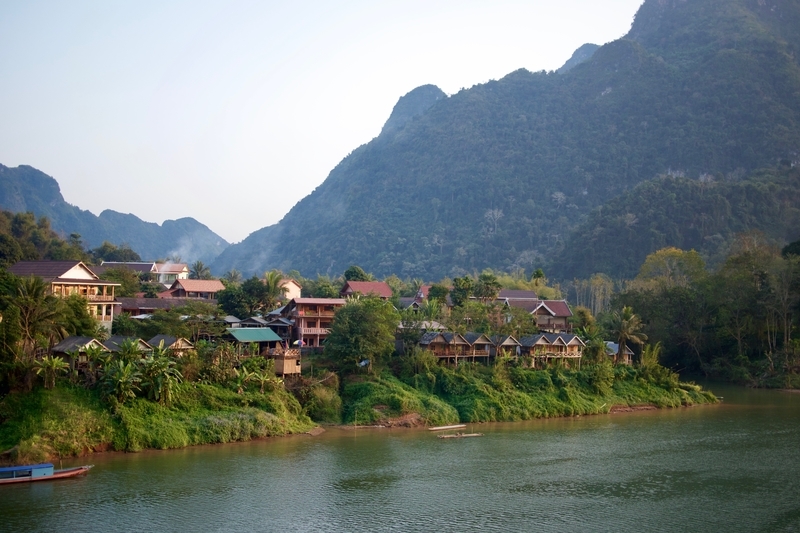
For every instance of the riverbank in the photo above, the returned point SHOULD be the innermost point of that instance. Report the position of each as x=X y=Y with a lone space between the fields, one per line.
x=70 y=420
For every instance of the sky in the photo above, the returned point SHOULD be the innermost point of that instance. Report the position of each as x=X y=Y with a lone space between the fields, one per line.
x=232 y=112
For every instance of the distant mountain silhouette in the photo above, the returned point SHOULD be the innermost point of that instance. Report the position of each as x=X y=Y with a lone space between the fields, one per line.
x=26 y=189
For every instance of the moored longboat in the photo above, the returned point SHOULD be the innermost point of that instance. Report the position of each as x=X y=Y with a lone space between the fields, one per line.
x=38 y=472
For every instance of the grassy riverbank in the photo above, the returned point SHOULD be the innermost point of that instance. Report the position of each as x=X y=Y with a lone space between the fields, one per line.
x=71 y=420
x=477 y=393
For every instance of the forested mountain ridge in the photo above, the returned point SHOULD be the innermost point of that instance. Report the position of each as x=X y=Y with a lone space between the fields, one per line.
x=25 y=188
x=690 y=214
x=499 y=175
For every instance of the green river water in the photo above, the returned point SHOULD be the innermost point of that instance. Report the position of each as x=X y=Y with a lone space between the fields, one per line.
x=728 y=467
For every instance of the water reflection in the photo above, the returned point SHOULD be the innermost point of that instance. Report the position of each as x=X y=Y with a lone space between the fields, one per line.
x=732 y=467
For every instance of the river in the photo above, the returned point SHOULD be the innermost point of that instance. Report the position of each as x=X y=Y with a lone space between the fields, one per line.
x=728 y=467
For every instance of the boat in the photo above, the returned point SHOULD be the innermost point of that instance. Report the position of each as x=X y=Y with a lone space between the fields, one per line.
x=40 y=472
x=460 y=435
x=442 y=428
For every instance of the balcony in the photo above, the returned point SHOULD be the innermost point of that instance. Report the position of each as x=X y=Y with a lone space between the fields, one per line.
x=313 y=313
x=99 y=298
x=314 y=331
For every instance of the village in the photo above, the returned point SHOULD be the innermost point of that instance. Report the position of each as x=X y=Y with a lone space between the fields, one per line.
x=298 y=326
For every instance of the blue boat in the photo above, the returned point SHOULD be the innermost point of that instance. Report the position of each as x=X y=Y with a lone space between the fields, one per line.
x=40 y=472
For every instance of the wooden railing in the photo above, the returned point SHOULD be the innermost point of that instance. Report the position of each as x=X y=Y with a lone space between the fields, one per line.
x=314 y=331
x=99 y=298
x=316 y=313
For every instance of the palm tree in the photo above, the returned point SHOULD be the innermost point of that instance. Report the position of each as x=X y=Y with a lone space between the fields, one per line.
x=50 y=367
x=264 y=377
x=129 y=351
x=40 y=315
x=240 y=378
x=626 y=328
x=160 y=378
x=121 y=380
x=232 y=277
x=274 y=290
x=198 y=270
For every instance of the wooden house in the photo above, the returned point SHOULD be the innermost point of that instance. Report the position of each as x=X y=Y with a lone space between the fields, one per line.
x=67 y=278
x=480 y=346
x=177 y=346
x=446 y=346
x=505 y=345
x=115 y=342
x=202 y=289
x=311 y=319
x=546 y=347
x=270 y=345
x=612 y=349
x=74 y=350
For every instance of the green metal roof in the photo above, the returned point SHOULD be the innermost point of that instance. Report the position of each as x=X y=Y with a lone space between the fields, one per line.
x=254 y=334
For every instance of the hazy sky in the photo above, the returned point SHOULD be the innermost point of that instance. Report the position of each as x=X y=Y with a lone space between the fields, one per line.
x=231 y=112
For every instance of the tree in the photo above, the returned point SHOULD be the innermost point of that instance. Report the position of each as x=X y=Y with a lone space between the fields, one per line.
x=488 y=287
x=356 y=273
x=255 y=296
x=198 y=270
x=232 y=278
x=670 y=267
x=50 y=367
x=121 y=380
x=323 y=287
x=40 y=315
x=438 y=293
x=109 y=252
x=362 y=330
x=626 y=327
x=462 y=290
x=127 y=278
x=275 y=291
x=160 y=378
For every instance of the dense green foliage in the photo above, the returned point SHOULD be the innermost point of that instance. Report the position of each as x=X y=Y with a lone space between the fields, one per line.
x=703 y=215
x=362 y=333
x=738 y=322
x=508 y=392
x=71 y=420
x=501 y=174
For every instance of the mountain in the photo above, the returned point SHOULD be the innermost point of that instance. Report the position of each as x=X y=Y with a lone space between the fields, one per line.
x=579 y=56
x=502 y=174
x=26 y=189
x=690 y=214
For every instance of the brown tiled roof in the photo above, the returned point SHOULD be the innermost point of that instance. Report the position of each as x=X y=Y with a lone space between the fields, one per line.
x=149 y=304
x=47 y=270
x=198 y=285
x=518 y=294
x=557 y=307
x=320 y=301
x=378 y=288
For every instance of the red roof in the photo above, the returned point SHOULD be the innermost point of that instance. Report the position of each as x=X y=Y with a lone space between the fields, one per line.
x=378 y=288
x=556 y=307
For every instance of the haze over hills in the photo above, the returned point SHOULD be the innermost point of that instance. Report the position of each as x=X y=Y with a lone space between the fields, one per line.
x=26 y=189
x=503 y=174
